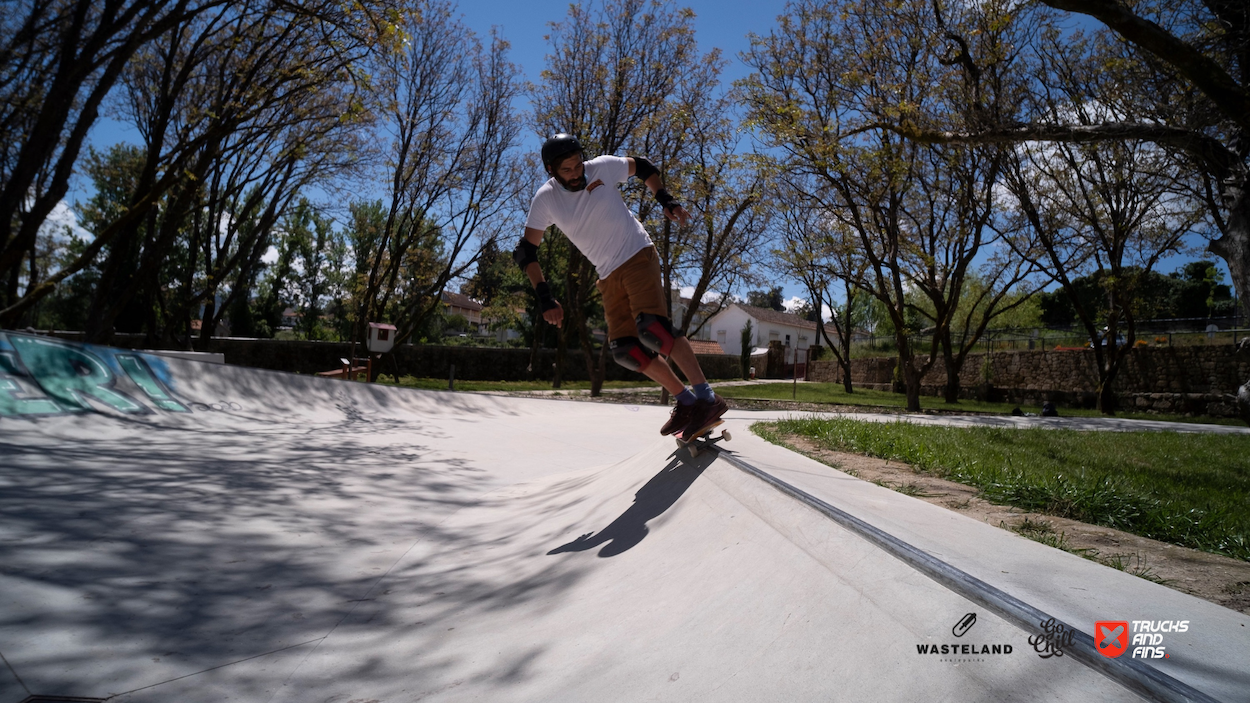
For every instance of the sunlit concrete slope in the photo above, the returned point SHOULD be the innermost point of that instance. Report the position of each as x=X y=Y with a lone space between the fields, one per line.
x=181 y=531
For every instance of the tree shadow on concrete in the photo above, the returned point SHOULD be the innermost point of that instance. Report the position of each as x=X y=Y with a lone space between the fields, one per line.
x=176 y=551
x=652 y=500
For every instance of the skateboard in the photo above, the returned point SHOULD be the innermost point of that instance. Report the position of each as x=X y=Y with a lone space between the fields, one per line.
x=702 y=439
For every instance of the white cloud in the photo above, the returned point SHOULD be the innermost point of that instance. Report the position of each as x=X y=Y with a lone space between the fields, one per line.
x=61 y=222
x=793 y=303
x=708 y=297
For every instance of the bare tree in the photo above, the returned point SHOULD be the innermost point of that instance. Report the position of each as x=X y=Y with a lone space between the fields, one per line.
x=58 y=62
x=1105 y=208
x=265 y=82
x=453 y=167
x=920 y=215
x=953 y=245
x=610 y=72
x=1183 y=87
x=820 y=252
x=724 y=189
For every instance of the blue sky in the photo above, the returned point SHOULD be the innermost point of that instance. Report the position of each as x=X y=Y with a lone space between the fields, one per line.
x=722 y=24
x=718 y=24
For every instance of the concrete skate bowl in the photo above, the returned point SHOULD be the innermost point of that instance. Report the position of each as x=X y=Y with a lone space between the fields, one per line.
x=182 y=531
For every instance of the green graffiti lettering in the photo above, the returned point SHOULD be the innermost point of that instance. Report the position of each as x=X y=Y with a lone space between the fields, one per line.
x=15 y=399
x=70 y=374
x=139 y=372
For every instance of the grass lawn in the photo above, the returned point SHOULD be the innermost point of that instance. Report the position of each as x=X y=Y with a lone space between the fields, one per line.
x=1187 y=489
x=834 y=394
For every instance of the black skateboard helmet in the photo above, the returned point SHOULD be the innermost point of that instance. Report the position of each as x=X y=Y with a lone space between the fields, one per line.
x=557 y=147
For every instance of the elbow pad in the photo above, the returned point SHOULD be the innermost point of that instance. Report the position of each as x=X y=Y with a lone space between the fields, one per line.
x=525 y=254
x=643 y=168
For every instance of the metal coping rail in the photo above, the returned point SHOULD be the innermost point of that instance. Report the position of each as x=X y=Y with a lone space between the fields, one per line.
x=1131 y=673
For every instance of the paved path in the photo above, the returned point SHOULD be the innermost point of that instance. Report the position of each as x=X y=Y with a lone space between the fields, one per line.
x=252 y=536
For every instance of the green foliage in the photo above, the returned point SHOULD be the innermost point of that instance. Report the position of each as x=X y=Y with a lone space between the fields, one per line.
x=491 y=278
x=747 y=338
x=770 y=298
x=1183 y=488
x=455 y=324
x=405 y=264
x=1194 y=290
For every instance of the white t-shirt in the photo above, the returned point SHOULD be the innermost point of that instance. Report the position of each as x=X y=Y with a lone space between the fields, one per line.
x=596 y=218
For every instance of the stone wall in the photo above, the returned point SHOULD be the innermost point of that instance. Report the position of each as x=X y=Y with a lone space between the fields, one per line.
x=1189 y=380
x=427 y=361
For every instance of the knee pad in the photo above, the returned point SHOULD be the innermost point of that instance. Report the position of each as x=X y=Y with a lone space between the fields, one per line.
x=630 y=353
x=655 y=332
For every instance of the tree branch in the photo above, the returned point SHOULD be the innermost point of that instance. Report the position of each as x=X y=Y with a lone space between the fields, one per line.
x=1210 y=152
x=1230 y=97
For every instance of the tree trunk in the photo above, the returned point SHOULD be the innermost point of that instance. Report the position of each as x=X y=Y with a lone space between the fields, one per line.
x=206 y=320
x=536 y=342
x=1107 y=401
x=1243 y=393
x=1234 y=248
x=603 y=368
x=912 y=380
x=561 y=352
x=952 y=369
x=577 y=289
x=910 y=374
x=592 y=363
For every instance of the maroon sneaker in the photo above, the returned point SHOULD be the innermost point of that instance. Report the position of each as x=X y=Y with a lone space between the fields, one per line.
x=678 y=419
x=705 y=413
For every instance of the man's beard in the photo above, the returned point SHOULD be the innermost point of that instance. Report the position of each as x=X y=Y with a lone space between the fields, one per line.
x=573 y=185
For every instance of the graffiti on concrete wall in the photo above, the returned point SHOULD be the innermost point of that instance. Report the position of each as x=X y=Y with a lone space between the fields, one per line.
x=42 y=376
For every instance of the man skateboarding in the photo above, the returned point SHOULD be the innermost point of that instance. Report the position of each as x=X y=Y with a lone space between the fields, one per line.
x=581 y=199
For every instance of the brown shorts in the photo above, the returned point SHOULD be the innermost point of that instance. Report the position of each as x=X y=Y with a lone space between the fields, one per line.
x=630 y=290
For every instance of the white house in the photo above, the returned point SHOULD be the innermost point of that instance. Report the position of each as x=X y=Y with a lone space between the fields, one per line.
x=681 y=305
x=468 y=308
x=767 y=325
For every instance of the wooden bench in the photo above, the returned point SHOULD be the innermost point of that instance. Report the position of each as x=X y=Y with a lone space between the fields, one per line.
x=348 y=371
x=349 y=374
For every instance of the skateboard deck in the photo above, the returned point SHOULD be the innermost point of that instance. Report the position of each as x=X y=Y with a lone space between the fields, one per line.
x=702 y=439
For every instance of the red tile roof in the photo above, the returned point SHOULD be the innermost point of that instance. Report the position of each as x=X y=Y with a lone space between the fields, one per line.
x=704 y=346
x=457 y=300
x=776 y=317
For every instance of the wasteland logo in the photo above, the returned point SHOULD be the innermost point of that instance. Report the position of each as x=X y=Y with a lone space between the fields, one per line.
x=963 y=651
x=1052 y=639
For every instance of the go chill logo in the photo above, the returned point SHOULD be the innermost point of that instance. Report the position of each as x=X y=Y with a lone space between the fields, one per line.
x=1143 y=638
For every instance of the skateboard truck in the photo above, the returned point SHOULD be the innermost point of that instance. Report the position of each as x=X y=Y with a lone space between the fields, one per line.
x=702 y=439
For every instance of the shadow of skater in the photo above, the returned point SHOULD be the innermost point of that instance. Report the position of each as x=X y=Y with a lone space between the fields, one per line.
x=649 y=502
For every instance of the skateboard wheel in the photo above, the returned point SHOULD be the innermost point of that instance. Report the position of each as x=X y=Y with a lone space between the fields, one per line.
x=694 y=451
x=726 y=436
x=680 y=444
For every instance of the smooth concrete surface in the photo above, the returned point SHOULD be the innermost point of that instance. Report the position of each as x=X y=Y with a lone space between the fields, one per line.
x=287 y=538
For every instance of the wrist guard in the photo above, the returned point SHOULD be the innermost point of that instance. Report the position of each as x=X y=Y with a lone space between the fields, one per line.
x=666 y=201
x=545 y=300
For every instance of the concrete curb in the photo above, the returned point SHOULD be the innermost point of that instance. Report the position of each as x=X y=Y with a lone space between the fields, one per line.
x=1134 y=675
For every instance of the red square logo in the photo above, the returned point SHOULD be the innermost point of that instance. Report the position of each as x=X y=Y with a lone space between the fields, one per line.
x=1111 y=637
